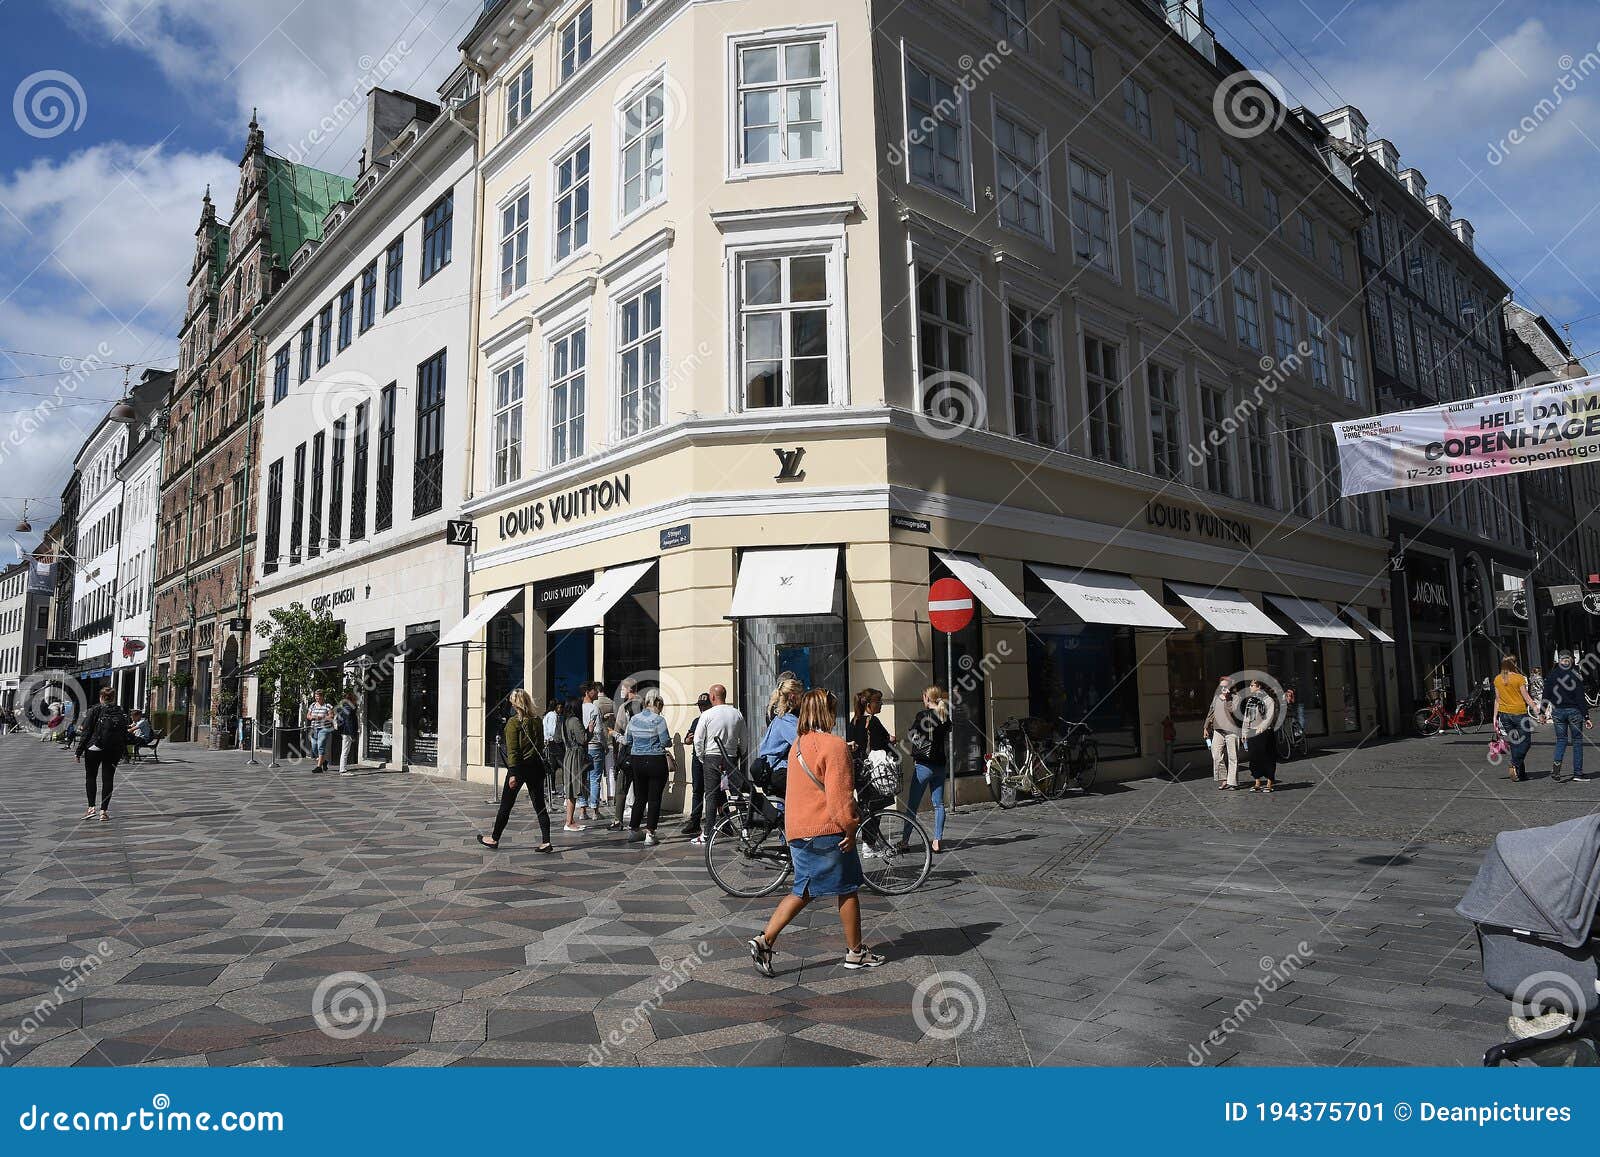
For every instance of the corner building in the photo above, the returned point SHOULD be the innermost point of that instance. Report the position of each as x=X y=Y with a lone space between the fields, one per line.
x=787 y=314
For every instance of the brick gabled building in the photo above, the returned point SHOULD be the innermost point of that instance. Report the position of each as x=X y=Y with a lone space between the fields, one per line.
x=205 y=543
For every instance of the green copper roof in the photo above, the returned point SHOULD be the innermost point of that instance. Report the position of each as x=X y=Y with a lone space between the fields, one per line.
x=298 y=198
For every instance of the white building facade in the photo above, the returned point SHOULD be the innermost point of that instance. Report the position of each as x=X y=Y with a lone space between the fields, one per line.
x=140 y=476
x=365 y=360
x=24 y=625
x=98 y=557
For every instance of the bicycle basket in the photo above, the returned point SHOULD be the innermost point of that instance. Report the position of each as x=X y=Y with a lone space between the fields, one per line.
x=878 y=776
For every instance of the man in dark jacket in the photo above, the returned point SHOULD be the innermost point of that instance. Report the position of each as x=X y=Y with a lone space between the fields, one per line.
x=1569 y=708
x=102 y=739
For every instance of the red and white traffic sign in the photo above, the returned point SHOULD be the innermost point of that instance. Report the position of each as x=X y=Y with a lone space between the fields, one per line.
x=950 y=606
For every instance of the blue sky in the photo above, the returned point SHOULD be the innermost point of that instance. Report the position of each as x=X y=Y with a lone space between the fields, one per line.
x=97 y=220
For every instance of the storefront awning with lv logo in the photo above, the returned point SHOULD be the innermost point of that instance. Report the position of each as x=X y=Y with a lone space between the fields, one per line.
x=1097 y=597
x=475 y=620
x=1226 y=610
x=996 y=597
x=784 y=582
x=1316 y=620
x=1368 y=625
x=589 y=610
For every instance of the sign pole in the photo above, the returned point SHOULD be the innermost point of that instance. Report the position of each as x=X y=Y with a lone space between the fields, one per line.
x=950 y=731
x=951 y=608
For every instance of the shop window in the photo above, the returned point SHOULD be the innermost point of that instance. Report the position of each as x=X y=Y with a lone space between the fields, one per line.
x=631 y=637
x=421 y=719
x=1298 y=664
x=1197 y=657
x=811 y=647
x=377 y=702
x=1081 y=671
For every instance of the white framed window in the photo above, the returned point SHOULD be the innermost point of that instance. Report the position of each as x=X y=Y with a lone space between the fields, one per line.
x=1336 y=257
x=1247 y=306
x=1272 y=209
x=1166 y=421
x=1233 y=179
x=642 y=163
x=1258 y=453
x=1308 y=236
x=1283 y=327
x=1402 y=342
x=1106 y=417
x=1334 y=504
x=1136 y=108
x=576 y=40
x=1200 y=254
x=944 y=325
x=1317 y=339
x=1009 y=21
x=639 y=329
x=570 y=208
x=1188 y=143
x=1077 y=62
x=632 y=8
x=519 y=97
x=785 y=111
x=506 y=425
x=514 y=243
x=1031 y=348
x=569 y=365
x=1089 y=195
x=1349 y=367
x=936 y=131
x=1215 y=422
x=1301 y=474
x=1150 y=249
x=1019 y=152
x=788 y=327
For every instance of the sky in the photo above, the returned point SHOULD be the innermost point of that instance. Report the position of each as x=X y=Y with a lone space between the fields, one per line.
x=123 y=111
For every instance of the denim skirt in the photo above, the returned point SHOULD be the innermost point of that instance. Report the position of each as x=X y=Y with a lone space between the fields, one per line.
x=821 y=869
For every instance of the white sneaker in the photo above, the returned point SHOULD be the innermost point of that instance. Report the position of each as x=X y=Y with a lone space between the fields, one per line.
x=650 y=840
x=698 y=841
x=572 y=827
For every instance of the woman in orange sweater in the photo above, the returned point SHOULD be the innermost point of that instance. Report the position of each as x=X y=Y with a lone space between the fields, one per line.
x=820 y=824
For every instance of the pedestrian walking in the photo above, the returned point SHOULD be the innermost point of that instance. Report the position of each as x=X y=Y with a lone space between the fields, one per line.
x=1513 y=711
x=576 y=764
x=697 y=769
x=929 y=737
x=1569 y=710
x=629 y=706
x=1261 y=711
x=347 y=726
x=820 y=822
x=866 y=732
x=783 y=725
x=525 y=766
x=650 y=767
x=1221 y=733
x=720 y=744
x=319 y=720
x=102 y=741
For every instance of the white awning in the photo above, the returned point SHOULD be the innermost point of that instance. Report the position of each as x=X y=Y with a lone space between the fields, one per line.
x=1105 y=598
x=995 y=596
x=790 y=581
x=1226 y=610
x=1313 y=618
x=589 y=610
x=476 y=619
x=1368 y=625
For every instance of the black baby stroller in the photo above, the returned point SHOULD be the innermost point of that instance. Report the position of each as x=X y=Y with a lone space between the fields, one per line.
x=1533 y=903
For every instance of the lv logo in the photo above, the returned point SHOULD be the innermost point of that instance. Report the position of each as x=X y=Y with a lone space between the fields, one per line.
x=789 y=464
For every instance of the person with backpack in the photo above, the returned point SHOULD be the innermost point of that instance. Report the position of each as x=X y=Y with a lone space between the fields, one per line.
x=347 y=726
x=719 y=746
x=102 y=740
x=525 y=766
x=929 y=737
x=820 y=821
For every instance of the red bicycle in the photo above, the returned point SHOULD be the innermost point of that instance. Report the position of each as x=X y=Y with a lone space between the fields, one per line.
x=1433 y=719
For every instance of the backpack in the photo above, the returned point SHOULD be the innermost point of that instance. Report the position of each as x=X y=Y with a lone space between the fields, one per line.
x=110 y=730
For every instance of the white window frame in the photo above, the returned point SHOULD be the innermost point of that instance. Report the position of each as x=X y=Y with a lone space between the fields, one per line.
x=555 y=259
x=1269 y=456
x=1040 y=306
x=936 y=71
x=1285 y=347
x=948 y=271
x=579 y=43
x=1349 y=366
x=1272 y=210
x=519 y=97
x=1039 y=178
x=519 y=435
x=1008 y=19
x=1138 y=205
x=1302 y=462
x=1138 y=119
x=1112 y=249
x=523 y=192
x=789 y=243
x=1243 y=325
x=1317 y=339
x=1227 y=463
x=1122 y=386
x=653 y=277
x=1336 y=258
x=1233 y=180
x=1073 y=70
x=563 y=336
x=1196 y=297
x=1187 y=144
x=1308 y=236
x=1171 y=408
x=828 y=160
x=640 y=93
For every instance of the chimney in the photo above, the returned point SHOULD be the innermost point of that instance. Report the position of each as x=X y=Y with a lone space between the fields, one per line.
x=1462 y=228
x=1385 y=154
x=388 y=113
x=1416 y=184
x=1348 y=125
x=1439 y=206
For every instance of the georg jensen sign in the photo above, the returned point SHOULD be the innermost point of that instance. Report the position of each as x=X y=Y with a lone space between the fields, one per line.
x=568 y=506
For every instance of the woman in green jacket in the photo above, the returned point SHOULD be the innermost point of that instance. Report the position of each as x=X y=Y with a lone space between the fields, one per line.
x=524 y=765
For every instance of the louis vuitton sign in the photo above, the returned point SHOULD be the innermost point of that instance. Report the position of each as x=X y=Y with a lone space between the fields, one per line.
x=568 y=506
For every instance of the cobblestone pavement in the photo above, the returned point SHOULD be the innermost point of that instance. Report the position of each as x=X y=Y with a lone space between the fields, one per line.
x=226 y=906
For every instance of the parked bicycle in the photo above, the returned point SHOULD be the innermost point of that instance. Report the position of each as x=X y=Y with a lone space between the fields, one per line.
x=1433 y=719
x=1033 y=757
x=1292 y=739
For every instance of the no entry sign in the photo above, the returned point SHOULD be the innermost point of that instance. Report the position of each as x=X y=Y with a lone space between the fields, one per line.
x=949 y=605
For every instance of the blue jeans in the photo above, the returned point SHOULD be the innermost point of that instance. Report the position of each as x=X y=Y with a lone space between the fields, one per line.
x=597 y=772
x=1569 y=729
x=926 y=777
x=1518 y=731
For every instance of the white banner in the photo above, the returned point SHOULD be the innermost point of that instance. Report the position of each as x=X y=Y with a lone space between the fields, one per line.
x=1555 y=424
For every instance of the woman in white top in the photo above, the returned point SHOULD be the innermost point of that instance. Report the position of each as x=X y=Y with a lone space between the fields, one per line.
x=319 y=718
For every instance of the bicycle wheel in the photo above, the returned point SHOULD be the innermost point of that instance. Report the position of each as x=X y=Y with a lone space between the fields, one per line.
x=1000 y=773
x=1047 y=777
x=747 y=857
x=1088 y=765
x=1427 y=721
x=1284 y=744
x=896 y=856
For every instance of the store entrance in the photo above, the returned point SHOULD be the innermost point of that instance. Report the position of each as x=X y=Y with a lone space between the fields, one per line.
x=1297 y=665
x=421 y=722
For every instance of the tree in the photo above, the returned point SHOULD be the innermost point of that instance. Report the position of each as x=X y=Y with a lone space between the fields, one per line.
x=302 y=647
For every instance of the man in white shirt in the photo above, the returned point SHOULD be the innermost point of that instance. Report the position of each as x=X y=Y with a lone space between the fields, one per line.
x=719 y=741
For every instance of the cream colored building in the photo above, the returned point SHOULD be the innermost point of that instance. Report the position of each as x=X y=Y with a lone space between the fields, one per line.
x=851 y=297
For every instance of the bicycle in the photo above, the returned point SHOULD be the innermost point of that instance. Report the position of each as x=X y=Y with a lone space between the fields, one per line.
x=1080 y=752
x=1291 y=739
x=748 y=857
x=1433 y=719
x=1018 y=767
